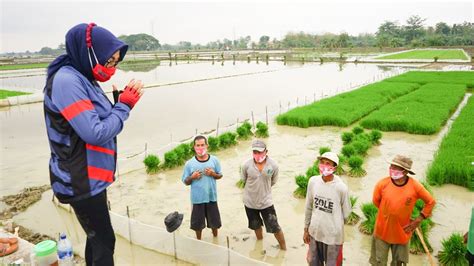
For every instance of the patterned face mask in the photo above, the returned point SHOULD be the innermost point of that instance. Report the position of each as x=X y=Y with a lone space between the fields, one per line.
x=326 y=170
x=201 y=151
x=259 y=158
x=396 y=174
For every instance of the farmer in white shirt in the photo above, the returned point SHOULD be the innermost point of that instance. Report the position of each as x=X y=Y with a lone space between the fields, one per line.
x=327 y=206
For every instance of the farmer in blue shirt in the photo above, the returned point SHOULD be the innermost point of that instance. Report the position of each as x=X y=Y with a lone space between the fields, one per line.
x=201 y=172
x=82 y=125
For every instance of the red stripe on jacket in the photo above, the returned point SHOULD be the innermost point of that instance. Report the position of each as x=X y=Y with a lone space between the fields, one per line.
x=100 y=149
x=100 y=174
x=76 y=108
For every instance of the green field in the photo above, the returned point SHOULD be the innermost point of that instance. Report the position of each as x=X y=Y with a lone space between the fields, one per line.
x=423 y=77
x=453 y=161
x=346 y=108
x=424 y=111
x=427 y=54
x=4 y=93
x=23 y=66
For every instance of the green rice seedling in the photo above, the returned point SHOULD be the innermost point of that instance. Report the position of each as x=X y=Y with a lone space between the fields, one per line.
x=227 y=139
x=353 y=218
x=262 y=130
x=370 y=213
x=152 y=163
x=347 y=137
x=312 y=171
x=361 y=146
x=244 y=131
x=375 y=136
x=213 y=144
x=453 y=251
x=424 y=111
x=183 y=153
x=340 y=169
x=6 y=93
x=348 y=150
x=427 y=54
x=346 y=108
x=240 y=184
x=302 y=183
x=452 y=162
x=416 y=247
x=323 y=150
x=424 y=77
x=171 y=159
x=357 y=130
x=355 y=163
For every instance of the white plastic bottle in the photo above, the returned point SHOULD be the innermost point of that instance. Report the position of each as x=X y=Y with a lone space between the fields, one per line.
x=65 y=254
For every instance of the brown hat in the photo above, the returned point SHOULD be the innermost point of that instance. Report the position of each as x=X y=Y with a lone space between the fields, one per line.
x=403 y=162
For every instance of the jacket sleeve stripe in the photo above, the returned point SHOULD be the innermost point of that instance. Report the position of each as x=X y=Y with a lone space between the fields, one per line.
x=76 y=108
x=100 y=174
x=100 y=149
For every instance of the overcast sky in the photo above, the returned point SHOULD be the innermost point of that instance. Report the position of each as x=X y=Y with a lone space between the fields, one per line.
x=31 y=25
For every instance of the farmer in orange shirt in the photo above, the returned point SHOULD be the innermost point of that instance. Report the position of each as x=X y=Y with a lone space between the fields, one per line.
x=395 y=196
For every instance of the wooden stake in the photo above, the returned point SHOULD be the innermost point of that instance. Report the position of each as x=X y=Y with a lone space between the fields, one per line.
x=217 y=129
x=420 y=236
x=228 y=251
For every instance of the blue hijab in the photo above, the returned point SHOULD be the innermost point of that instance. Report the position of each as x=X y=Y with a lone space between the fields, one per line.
x=105 y=44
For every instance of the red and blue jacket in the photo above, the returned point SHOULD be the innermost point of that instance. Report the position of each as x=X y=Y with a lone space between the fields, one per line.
x=82 y=125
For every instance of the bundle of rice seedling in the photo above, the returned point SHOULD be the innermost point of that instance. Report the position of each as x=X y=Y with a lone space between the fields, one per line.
x=244 y=131
x=370 y=213
x=262 y=130
x=453 y=251
x=152 y=163
x=355 y=163
x=353 y=217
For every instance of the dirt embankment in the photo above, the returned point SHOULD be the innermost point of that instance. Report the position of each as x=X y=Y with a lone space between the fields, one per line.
x=17 y=203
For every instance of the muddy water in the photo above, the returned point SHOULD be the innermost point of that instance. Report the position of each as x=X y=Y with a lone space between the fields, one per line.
x=46 y=217
x=151 y=198
x=173 y=113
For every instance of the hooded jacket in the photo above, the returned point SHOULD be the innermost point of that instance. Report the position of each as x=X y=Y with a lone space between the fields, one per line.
x=81 y=122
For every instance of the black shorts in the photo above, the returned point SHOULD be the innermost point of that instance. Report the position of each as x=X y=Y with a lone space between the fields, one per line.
x=269 y=218
x=205 y=211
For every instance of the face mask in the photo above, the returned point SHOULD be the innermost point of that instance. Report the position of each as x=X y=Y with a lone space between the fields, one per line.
x=396 y=174
x=326 y=170
x=201 y=151
x=259 y=158
x=102 y=73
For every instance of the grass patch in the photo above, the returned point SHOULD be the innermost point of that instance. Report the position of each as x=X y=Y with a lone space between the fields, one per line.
x=23 y=66
x=423 y=111
x=5 y=93
x=428 y=54
x=346 y=108
x=452 y=162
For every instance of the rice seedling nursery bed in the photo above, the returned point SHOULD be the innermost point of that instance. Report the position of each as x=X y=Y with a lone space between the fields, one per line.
x=424 y=77
x=453 y=161
x=6 y=93
x=423 y=111
x=346 y=108
x=428 y=54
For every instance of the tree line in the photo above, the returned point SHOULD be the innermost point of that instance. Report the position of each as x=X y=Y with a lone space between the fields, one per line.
x=413 y=33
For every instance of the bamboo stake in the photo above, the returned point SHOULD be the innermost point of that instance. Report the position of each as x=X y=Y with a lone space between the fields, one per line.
x=420 y=236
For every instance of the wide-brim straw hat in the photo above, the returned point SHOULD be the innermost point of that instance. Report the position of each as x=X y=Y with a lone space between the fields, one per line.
x=403 y=162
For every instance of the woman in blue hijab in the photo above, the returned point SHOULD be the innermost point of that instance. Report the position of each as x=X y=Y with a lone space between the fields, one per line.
x=82 y=125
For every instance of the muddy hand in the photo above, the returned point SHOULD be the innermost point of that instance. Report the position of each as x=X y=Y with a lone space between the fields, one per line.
x=409 y=228
x=209 y=172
